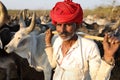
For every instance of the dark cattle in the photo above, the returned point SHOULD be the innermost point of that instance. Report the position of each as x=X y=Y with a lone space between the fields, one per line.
x=8 y=65
x=6 y=61
x=92 y=29
x=14 y=28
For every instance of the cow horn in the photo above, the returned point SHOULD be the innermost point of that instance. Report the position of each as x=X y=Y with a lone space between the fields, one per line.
x=24 y=14
x=3 y=14
x=21 y=21
x=32 y=24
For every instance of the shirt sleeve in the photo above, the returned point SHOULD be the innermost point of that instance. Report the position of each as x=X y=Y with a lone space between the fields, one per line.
x=104 y=71
x=51 y=57
x=98 y=68
x=51 y=52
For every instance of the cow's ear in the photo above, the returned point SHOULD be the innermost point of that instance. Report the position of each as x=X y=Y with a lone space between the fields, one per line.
x=1 y=45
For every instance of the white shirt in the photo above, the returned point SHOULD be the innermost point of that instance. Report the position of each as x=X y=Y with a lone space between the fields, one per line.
x=82 y=62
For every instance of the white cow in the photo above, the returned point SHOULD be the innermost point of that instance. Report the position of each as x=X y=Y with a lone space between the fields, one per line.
x=31 y=46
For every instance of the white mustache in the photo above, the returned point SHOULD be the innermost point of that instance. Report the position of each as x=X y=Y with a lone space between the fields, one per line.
x=62 y=33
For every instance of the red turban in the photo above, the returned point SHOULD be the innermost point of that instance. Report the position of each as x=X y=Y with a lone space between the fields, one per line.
x=66 y=12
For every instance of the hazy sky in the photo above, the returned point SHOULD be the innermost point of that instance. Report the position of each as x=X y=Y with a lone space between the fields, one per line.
x=48 y=4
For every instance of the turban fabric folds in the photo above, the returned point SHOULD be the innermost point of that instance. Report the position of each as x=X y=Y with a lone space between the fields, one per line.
x=66 y=12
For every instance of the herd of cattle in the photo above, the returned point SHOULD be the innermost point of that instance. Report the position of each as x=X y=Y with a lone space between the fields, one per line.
x=22 y=55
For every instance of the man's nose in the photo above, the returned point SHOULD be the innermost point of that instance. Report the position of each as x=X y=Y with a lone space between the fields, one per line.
x=63 y=27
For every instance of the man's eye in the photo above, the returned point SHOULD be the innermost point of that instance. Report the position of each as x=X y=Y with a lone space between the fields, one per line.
x=68 y=24
x=58 y=24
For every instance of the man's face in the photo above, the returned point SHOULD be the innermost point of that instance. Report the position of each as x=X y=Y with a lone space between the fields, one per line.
x=66 y=30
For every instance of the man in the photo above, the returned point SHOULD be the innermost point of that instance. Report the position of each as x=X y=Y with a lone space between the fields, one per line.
x=72 y=56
